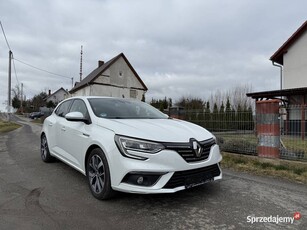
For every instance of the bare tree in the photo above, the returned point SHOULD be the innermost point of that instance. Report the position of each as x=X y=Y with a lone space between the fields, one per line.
x=236 y=96
x=217 y=98
x=17 y=92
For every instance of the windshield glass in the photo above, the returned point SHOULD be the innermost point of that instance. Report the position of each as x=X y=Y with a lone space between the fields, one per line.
x=117 y=108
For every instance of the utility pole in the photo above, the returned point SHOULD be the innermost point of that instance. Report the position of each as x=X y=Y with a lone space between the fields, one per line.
x=9 y=102
x=81 y=63
x=21 y=99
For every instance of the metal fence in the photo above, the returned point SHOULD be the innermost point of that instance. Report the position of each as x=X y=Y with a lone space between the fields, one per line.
x=236 y=132
x=293 y=132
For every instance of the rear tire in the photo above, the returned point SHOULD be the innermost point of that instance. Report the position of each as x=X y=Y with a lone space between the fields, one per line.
x=98 y=175
x=45 y=154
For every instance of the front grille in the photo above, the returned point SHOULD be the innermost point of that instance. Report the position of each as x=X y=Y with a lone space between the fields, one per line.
x=182 y=178
x=187 y=153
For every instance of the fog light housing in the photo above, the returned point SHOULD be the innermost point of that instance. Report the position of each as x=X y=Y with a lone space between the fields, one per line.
x=140 y=180
x=146 y=179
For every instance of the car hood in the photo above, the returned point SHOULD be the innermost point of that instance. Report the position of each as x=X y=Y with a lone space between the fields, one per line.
x=162 y=130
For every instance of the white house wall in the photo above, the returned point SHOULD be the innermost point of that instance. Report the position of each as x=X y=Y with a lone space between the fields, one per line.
x=82 y=92
x=116 y=81
x=295 y=64
x=108 y=91
x=120 y=75
x=58 y=96
x=111 y=91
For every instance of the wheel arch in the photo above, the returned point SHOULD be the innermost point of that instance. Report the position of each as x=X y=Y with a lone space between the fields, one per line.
x=89 y=150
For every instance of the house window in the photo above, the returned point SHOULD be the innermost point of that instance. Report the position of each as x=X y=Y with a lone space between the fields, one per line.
x=133 y=93
x=120 y=74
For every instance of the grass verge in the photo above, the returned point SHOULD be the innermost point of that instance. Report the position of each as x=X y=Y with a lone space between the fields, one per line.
x=38 y=121
x=291 y=170
x=6 y=126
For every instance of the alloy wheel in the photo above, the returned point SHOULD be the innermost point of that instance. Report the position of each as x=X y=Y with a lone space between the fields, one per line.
x=44 y=147
x=96 y=174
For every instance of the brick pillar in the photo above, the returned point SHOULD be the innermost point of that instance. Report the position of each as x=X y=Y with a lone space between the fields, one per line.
x=268 y=128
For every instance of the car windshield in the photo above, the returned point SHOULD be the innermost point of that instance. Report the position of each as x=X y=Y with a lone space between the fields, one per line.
x=116 y=108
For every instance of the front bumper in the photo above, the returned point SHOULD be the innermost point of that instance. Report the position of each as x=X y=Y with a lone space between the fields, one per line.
x=174 y=173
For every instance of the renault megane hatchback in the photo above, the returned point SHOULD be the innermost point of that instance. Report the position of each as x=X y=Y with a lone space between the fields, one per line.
x=127 y=145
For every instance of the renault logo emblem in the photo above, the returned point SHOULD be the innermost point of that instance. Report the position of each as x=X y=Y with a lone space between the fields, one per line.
x=197 y=149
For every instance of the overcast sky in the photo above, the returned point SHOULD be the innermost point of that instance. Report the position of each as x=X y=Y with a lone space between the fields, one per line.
x=178 y=47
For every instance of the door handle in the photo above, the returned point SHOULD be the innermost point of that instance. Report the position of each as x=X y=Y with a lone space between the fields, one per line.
x=50 y=124
x=63 y=128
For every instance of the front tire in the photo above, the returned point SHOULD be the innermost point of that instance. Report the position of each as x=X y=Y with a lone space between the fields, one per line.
x=98 y=175
x=45 y=154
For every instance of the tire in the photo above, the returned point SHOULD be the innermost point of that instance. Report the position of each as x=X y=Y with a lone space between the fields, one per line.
x=45 y=154
x=98 y=175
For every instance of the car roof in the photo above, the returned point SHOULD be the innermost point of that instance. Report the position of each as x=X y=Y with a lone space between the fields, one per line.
x=90 y=97
x=86 y=97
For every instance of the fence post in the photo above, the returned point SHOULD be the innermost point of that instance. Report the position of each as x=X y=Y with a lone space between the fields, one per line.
x=268 y=128
x=303 y=121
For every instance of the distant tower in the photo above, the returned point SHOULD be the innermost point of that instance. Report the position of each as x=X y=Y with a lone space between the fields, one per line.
x=81 y=63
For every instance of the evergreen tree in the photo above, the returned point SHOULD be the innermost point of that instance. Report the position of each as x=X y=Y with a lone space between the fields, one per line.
x=228 y=115
x=165 y=103
x=239 y=116
x=249 y=119
x=215 y=115
x=39 y=100
x=207 y=116
x=50 y=104
x=16 y=102
x=161 y=107
x=170 y=102
x=222 y=117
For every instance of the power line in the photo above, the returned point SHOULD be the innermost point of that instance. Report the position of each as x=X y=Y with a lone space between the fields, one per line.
x=7 y=43
x=46 y=71
x=32 y=66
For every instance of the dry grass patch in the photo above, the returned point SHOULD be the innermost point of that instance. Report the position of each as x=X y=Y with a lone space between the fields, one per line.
x=292 y=170
x=6 y=126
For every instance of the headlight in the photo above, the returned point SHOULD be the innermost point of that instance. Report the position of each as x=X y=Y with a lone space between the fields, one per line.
x=129 y=147
x=216 y=141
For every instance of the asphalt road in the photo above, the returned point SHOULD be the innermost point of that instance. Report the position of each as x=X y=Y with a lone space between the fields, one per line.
x=36 y=195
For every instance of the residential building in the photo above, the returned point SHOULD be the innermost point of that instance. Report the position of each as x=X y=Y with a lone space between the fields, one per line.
x=292 y=55
x=57 y=96
x=292 y=59
x=114 y=78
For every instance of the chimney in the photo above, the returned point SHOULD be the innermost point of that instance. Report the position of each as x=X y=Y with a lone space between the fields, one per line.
x=100 y=63
x=49 y=92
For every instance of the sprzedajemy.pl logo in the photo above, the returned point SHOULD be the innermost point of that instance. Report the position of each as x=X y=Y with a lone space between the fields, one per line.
x=273 y=219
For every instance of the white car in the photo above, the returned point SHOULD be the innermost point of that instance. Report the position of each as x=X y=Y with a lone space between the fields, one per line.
x=127 y=145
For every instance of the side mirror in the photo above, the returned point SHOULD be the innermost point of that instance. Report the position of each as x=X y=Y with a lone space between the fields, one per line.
x=77 y=116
